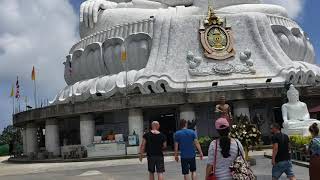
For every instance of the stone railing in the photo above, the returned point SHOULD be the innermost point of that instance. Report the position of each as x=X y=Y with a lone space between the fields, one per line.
x=122 y=31
x=278 y=20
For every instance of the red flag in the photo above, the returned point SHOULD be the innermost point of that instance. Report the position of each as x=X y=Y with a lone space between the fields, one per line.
x=17 y=89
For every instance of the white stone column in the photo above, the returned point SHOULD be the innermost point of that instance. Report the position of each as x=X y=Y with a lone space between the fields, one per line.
x=52 y=137
x=24 y=140
x=87 y=129
x=31 y=138
x=241 y=107
x=135 y=122
x=187 y=112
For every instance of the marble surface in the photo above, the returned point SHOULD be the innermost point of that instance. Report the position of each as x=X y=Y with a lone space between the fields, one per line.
x=157 y=48
x=111 y=149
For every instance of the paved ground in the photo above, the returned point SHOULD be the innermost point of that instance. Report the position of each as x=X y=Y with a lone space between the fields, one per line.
x=116 y=170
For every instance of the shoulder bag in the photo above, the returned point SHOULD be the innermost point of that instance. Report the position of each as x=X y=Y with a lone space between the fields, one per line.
x=240 y=169
x=212 y=175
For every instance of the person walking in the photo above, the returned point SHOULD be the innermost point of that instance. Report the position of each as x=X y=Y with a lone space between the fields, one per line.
x=281 y=159
x=154 y=142
x=222 y=152
x=314 y=148
x=186 y=140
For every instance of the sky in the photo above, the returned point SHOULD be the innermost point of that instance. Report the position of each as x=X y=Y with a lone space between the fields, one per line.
x=40 y=33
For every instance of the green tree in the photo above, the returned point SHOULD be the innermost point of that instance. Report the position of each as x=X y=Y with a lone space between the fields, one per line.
x=10 y=133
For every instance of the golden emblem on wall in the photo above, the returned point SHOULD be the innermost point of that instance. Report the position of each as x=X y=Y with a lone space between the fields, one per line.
x=216 y=38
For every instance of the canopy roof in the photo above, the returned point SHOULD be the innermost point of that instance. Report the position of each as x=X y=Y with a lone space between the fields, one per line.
x=315 y=109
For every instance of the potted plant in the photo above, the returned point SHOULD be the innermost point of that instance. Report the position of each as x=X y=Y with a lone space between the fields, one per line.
x=299 y=146
x=248 y=134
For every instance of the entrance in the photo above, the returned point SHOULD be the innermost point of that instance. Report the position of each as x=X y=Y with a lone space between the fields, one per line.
x=167 y=121
x=168 y=127
x=278 y=115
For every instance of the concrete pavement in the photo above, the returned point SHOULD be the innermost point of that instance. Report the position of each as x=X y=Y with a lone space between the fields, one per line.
x=119 y=170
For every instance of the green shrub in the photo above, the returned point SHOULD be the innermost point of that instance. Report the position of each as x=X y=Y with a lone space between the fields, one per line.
x=205 y=140
x=298 y=141
x=4 y=150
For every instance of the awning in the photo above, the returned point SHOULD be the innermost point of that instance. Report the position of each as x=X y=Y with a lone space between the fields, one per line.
x=315 y=109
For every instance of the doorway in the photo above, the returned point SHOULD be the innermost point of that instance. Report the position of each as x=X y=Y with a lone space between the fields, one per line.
x=167 y=120
x=168 y=127
x=278 y=115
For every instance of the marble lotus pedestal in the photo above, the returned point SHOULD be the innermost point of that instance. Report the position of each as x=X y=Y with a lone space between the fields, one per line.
x=295 y=115
x=160 y=59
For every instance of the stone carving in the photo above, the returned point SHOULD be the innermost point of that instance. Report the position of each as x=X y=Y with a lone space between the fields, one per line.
x=118 y=31
x=193 y=62
x=104 y=58
x=197 y=68
x=294 y=43
x=216 y=37
x=295 y=114
x=282 y=21
x=224 y=109
x=89 y=9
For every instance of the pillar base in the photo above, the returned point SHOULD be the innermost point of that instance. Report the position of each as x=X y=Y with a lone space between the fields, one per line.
x=87 y=129
x=31 y=139
x=52 y=137
x=135 y=122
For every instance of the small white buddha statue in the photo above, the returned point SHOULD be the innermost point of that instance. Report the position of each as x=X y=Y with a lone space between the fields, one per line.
x=295 y=115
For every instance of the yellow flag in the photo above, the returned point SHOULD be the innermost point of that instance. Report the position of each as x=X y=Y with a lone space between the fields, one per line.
x=12 y=91
x=33 y=74
x=123 y=54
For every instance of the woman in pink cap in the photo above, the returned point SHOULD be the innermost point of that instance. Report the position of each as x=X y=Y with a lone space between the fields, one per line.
x=222 y=152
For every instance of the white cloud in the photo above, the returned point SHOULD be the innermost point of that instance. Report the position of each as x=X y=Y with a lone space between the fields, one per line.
x=294 y=7
x=39 y=33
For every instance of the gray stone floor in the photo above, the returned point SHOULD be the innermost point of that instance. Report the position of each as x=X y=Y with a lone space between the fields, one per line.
x=117 y=170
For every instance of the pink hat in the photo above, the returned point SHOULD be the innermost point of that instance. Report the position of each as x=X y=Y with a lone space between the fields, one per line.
x=222 y=123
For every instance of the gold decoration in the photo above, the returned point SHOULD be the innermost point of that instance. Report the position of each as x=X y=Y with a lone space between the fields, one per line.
x=216 y=38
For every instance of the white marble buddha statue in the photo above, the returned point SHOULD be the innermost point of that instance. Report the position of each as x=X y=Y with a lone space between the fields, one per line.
x=156 y=36
x=95 y=15
x=295 y=114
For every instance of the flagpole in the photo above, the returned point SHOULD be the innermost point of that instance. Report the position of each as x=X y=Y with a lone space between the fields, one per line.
x=35 y=93
x=26 y=102
x=126 y=79
x=19 y=104
x=33 y=78
x=125 y=61
x=12 y=104
x=12 y=96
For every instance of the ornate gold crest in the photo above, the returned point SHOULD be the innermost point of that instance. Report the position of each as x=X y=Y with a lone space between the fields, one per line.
x=216 y=38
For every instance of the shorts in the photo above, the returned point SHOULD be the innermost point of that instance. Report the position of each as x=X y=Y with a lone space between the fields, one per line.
x=156 y=162
x=282 y=167
x=188 y=164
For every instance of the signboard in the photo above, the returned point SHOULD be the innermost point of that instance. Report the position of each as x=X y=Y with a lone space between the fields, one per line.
x=109 y=149
x=133 y=140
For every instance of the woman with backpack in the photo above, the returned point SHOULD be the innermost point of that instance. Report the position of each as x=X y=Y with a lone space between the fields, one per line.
x=225 y=155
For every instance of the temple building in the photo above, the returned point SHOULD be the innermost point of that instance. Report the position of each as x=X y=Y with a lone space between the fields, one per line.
x=140 y=61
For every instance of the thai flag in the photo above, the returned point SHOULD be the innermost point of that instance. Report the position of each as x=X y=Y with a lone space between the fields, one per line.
x=17 y=89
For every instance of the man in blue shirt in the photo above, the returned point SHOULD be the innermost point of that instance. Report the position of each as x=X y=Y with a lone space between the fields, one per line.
x=186 y=140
